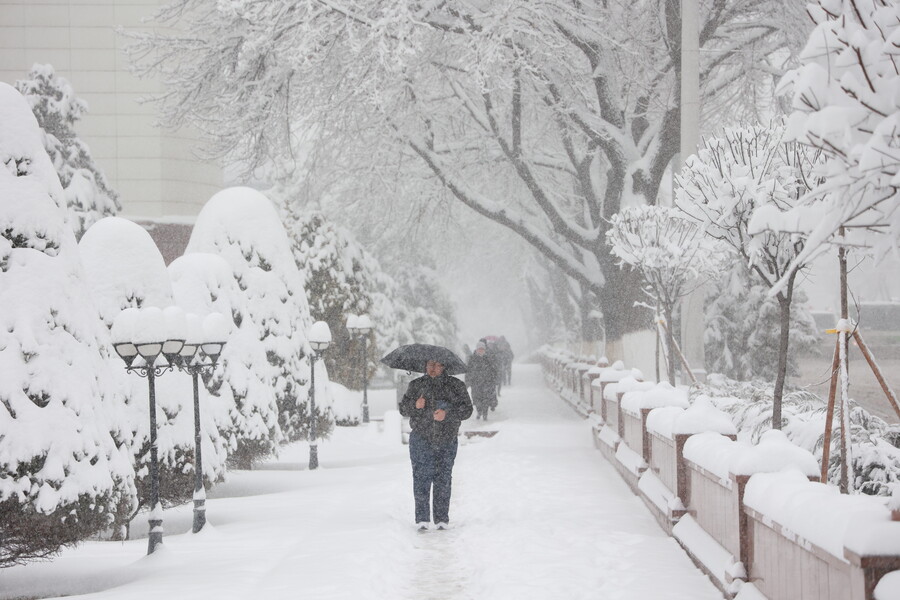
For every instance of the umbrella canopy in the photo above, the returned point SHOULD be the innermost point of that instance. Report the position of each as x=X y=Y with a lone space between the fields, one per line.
x=413 y=357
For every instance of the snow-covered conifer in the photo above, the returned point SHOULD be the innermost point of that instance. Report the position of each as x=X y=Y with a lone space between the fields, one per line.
x=204 y=283
x=741 y=339
x=126 y=270
x=242 y=226
x=87 y=193
x=425 y=307
x=63 y=477
x=337 y=285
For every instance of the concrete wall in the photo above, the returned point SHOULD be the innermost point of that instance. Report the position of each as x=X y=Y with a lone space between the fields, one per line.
x=153 y=170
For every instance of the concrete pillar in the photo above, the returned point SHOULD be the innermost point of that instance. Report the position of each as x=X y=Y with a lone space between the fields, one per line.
x=692 y=322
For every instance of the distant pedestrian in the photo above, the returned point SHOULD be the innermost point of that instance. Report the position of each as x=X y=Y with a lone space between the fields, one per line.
x=505 y=356
x=492 y=352
x=481 y=377
x=436 y=404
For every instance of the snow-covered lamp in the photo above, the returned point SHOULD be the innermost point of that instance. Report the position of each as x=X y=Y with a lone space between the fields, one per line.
x=352 y=327
x=148 y=334
x=360 y=326
x=193 y=337
x=121 y=333
x=363 y=324
x=175 y=332
x=319 y=339
x=215 y=332
x=319 y=336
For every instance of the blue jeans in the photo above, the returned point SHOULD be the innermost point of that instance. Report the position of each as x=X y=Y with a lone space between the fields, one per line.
x=432 y=466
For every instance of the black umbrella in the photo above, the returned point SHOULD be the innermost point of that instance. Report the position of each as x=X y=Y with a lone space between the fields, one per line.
x=413 y=357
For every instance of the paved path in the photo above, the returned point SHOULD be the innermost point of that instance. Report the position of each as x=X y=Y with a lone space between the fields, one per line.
x=536 y=514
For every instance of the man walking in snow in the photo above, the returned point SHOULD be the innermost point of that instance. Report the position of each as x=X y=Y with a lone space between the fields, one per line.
x=436 y=404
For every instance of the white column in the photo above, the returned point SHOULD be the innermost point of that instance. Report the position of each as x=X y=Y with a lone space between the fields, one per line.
x=692 y=323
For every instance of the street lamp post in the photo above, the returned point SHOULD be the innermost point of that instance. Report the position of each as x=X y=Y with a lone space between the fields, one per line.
x=319 y=339
x=205 y=340
x=360 y=326
x=147 y=333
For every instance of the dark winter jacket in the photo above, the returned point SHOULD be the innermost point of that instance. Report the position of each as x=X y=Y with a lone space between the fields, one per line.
x=481 y=375
x=444 y=391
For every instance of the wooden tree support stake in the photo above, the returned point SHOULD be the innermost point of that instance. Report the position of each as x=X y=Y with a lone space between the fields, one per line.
x=874 y=366
x=684 y=361
x=829 y=412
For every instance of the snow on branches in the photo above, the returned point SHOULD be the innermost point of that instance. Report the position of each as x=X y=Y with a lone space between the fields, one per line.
x=242 y=226
x=545 y=117
x=64 y=474
x=846 y=102
x=53 y=101
x=671 y=253
x=743 y=188
x=125 y=269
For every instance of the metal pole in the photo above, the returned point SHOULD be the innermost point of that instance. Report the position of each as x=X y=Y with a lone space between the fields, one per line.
x=199 y=491
x=365 y=381
x=156 y=530
x=313 y=448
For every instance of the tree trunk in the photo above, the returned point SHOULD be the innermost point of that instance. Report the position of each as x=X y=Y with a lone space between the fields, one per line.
x=784 y=304
x=670 y=344
x=617 y=298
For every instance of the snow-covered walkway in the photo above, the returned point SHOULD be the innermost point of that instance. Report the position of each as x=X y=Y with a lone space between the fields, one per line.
x=536 y=513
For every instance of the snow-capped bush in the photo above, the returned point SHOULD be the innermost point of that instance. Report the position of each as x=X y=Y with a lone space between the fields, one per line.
x=63 y=475
x=241 y=225
x=88 y=195
x=126 y=270
x=204 y=283
x=875 y=444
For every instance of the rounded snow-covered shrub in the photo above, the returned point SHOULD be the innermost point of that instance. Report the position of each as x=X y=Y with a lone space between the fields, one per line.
x=63 y=476
x=126 y=270
x=241 y=225
x=204 y=283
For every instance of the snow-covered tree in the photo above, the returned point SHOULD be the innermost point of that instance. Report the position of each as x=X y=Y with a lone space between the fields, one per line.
x=242 y=226
x=63 y=474
x=203 y=283
x=53 y=101
x=424 y=306
x=337 y=285
x=125 y=269
x=546 y=117
x=845 y=102
x=671 y=253
x=736 y=180
x=741 y=338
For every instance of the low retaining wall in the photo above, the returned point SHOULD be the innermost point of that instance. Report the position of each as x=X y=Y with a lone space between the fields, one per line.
x=729 y=503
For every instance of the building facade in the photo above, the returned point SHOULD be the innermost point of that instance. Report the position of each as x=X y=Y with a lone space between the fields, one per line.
x=154 y=170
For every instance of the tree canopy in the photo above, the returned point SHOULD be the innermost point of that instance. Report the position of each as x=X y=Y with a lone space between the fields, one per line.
x=545 y=117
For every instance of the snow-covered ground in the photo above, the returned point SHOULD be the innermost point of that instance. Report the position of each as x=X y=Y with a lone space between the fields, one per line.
x=536 y=513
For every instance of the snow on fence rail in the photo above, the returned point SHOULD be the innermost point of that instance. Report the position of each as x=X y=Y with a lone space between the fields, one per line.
x=753 y=517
